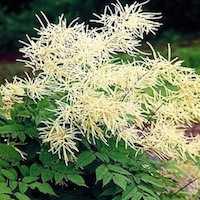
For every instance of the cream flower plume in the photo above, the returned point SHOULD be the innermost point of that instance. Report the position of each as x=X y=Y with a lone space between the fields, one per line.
x=148 y=103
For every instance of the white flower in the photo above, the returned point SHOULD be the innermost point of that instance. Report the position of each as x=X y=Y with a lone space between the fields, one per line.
x=37 y=87
x=62 y=140
x=12 y=93
x=129 y=19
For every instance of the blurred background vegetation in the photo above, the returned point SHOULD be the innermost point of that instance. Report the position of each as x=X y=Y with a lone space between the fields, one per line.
x=180 y=18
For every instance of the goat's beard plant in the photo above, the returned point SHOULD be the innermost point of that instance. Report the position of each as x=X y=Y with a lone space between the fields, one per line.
x=148 y=102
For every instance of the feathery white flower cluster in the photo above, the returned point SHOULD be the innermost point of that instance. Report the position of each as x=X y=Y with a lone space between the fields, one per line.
x=11 y=93
x=151 y=103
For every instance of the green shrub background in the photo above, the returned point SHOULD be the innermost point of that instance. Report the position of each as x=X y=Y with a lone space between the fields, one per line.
x=18 y=17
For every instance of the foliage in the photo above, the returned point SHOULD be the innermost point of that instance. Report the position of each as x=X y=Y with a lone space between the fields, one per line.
x=191 y=56
x=170 y=36
x=135 y=176
x=14 y=25
x=120 y=173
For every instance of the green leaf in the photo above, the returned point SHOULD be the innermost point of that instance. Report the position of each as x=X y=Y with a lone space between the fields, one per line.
x=137 y=196
x=4 y=164
x=45 y=188
x=148 y=190
x=34 y=185
x=2 y=178
x=12 y=128
x=9 y=153
x=31 y=131
x=148 y=198
x=13 y=184
x=19 y=112
x=62 y=168
x=10 y=174
x=76 y=179
x=21 y=196
x=118 y=169
x=152 y=180
x=5 y=197
x=118 y=156
x=23 y=187
x=35 y=170
x=120 y=180
x=46 y=175
x=4 y=189
x=111 y=191
x=29 y=179
x=43 y=110
x=85 y=158
x=118 y=197
x=129 y=193
x=107 y=178
x=24 y=170
x=100 y=172
x=103 y=157
x=58 y=177
x=46 y=158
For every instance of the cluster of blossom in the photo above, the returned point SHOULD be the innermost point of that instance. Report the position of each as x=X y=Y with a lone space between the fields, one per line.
x=150 y=103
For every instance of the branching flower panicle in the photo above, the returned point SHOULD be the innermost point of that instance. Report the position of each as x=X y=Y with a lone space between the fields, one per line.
x=11 y=93
x=62 y=140
x=148 y=103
